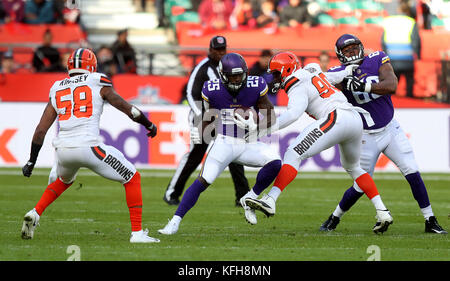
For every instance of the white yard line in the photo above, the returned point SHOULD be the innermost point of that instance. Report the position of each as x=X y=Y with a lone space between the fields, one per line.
x=250 y=175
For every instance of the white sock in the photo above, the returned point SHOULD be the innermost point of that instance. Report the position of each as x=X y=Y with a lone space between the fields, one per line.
x=176 y=219
x=251 y=194
x=338 y=212
x=427 y=212
x=376 y=200
x=274 y=193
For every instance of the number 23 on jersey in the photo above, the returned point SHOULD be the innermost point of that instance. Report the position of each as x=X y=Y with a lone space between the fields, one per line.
x=78 y=103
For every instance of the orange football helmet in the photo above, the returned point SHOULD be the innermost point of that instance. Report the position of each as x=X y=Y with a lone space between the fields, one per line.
x=283 y=64
x=82 y=61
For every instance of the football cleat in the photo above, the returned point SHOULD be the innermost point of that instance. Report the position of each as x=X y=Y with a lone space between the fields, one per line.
x=330 y=224
x=432 y=226
x=142 y=237
x=384 y=219
x=30 y=222
x=171 y=201
x=249 y=213
x=170 y=228
x=266 y=205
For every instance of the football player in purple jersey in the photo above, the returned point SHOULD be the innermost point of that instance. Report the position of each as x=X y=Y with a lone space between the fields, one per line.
x=370 y=87
x=235 y=89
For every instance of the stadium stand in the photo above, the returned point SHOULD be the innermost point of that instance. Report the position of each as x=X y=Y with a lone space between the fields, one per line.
x=173 y=50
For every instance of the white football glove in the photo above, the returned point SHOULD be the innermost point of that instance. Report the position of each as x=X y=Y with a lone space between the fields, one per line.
x=195 y=135
x=248 y=124
x=350 y=68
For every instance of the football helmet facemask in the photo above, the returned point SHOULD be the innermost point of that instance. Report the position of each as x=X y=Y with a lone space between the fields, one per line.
x=347 y=40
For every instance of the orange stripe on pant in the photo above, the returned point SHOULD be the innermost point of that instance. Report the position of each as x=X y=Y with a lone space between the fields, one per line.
x=329 y=123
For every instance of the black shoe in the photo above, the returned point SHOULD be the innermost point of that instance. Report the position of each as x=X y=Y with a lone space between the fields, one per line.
x=432 y=226
x=330 y=224
x=171 y=201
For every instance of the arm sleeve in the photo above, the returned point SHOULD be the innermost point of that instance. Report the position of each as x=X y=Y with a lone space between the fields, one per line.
x=194 y=89
x=336 y=77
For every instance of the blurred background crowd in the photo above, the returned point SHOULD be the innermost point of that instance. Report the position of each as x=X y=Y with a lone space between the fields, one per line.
x=144 y=37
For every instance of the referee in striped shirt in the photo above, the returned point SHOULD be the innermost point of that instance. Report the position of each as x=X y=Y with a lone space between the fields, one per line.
x=206 y=70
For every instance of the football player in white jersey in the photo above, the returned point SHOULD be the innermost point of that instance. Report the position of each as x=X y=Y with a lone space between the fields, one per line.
x=77 y=102
x=337 y=122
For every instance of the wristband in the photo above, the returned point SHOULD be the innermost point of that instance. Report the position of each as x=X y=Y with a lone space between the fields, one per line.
x=368 y=87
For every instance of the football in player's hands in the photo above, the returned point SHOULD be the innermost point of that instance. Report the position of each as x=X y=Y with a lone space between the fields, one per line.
x=246 y=112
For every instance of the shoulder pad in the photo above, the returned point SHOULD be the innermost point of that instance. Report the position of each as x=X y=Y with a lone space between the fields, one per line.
x=312 y=67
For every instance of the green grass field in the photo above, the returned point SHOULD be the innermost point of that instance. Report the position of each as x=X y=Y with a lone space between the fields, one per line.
x=95 y=218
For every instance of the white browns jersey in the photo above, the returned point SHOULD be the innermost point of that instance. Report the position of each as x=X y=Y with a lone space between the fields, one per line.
x=312 y=91
x=79 y=105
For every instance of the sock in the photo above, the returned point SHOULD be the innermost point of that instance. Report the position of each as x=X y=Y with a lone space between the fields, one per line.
x=286 y=175
x=274 y=193
x=190 y=197
x=53 y=191
x=418 y=189
x=251 y=194
x=427 y=212
x=133 y=197
x=338 y=212
x=366 y=183
x=349 y=198
x=266 y=176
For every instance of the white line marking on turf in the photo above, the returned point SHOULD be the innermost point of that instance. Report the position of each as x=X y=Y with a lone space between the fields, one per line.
x=251 y=175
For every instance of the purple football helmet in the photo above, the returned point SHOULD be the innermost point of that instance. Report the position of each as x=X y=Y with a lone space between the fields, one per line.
x=347 y=40
x=233 y=71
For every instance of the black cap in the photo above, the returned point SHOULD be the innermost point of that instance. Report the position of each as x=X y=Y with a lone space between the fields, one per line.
x=218 y=42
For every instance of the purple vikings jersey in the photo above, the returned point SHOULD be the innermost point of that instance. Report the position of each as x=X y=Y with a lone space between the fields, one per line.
x=219 y=98
x=379 y=107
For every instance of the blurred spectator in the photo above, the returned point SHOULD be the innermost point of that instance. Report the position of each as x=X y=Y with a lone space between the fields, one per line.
x=14 y=10
x=162 y=20
x=46 y=58
x=124 y=54
x=430 y=9
x=242 y=15
x=260 y=66
x=401 y=42
x=268 y=15
x=105 y=61
x=295 y=13
x=2 y=14
x=39 y=11
x=324 y=61
x=66 y=11
x=216 y=13
x=7 y=62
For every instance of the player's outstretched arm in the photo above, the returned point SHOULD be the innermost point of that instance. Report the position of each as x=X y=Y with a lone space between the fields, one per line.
x=133 y=112
x=47 y=119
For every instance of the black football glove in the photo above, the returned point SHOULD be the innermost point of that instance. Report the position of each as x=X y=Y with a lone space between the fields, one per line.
x=353 y=84
x=28 y=169
x=152 y=130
